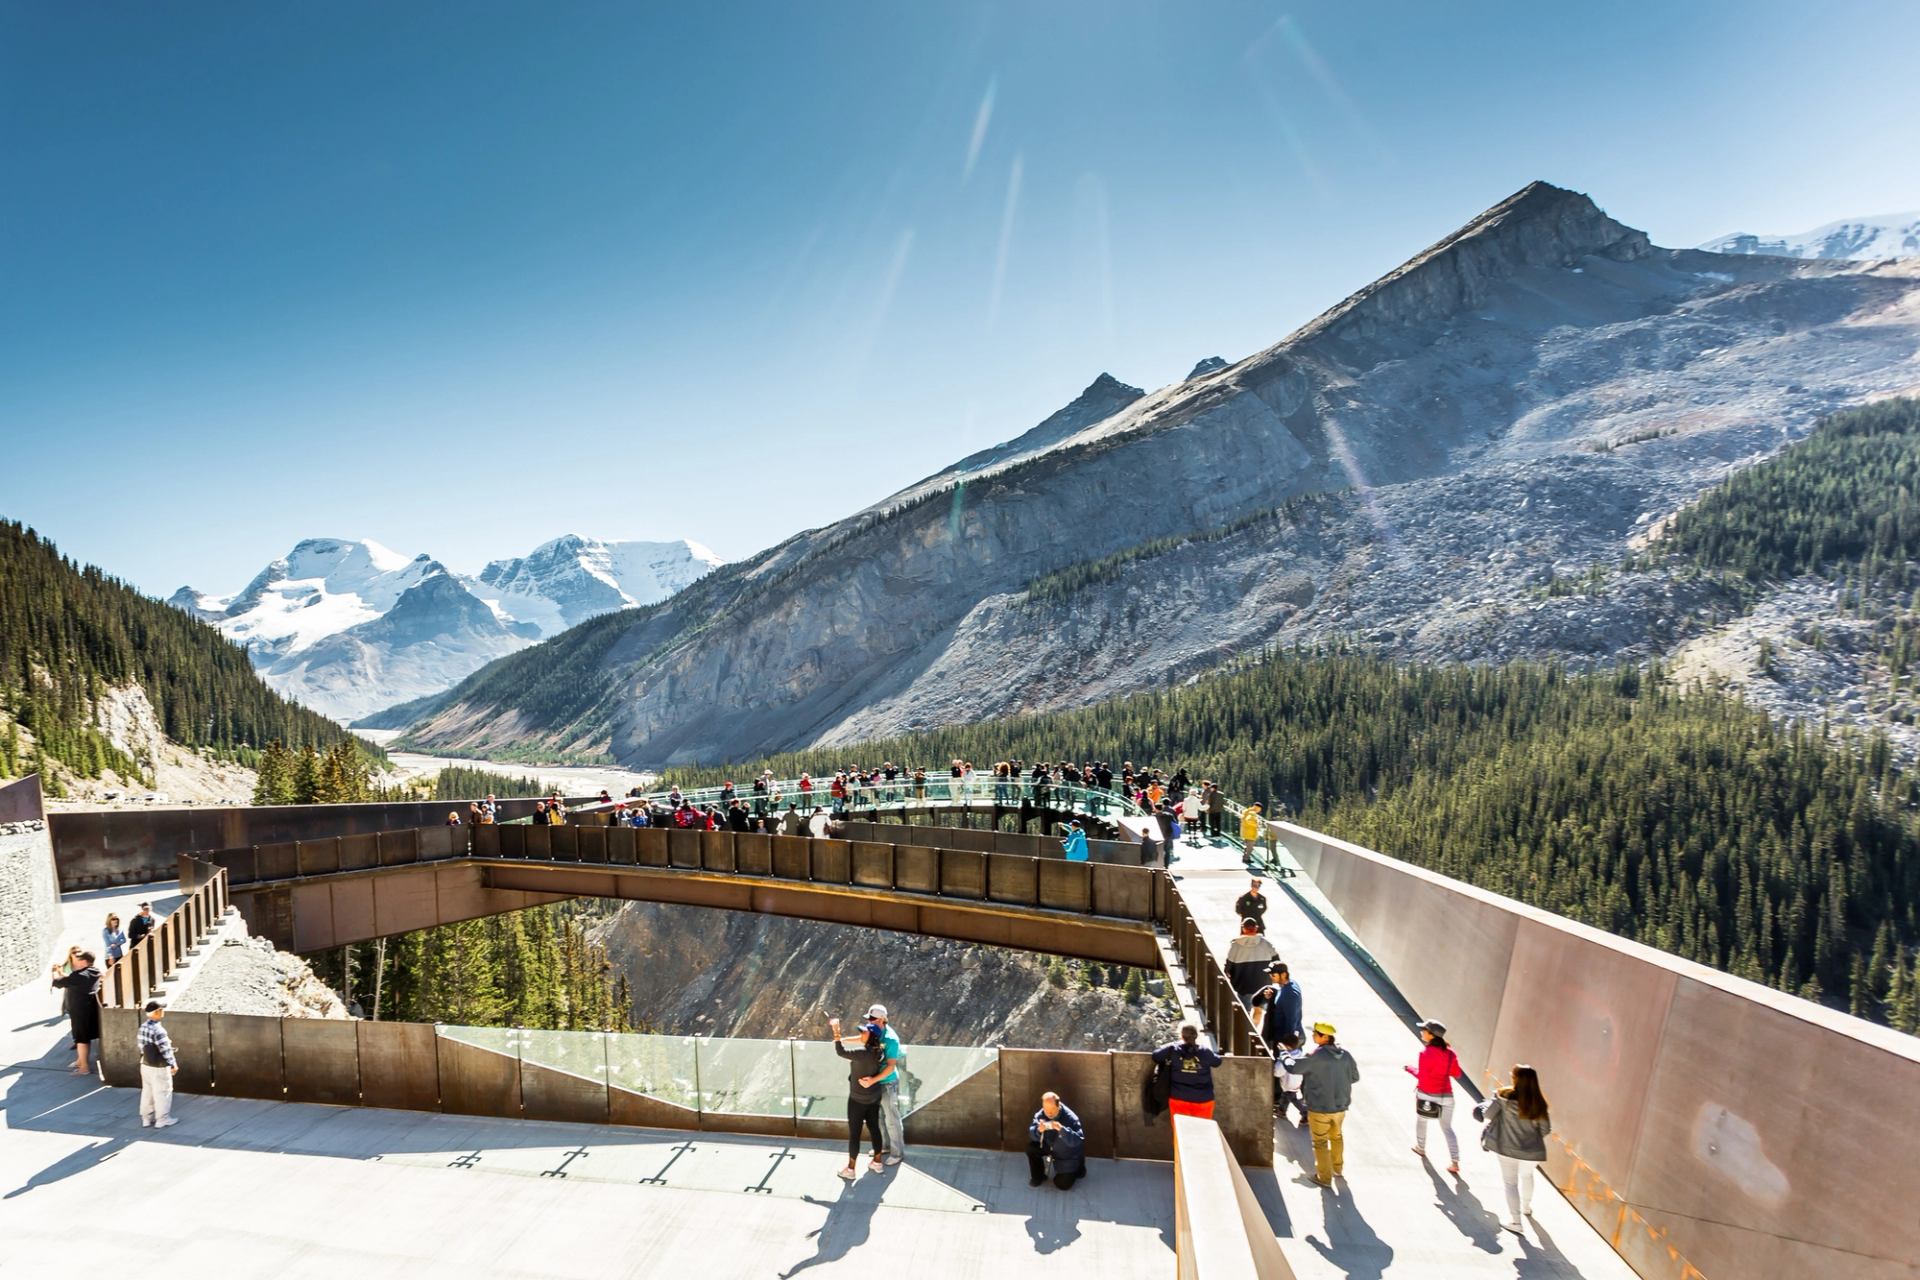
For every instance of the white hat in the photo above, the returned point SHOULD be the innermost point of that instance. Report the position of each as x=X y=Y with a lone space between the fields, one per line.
x=877 y=1011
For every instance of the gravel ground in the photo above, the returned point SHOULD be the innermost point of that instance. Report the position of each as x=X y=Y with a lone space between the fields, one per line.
x=249 y=976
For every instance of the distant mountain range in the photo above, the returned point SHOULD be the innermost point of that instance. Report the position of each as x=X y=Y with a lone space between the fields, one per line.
x=1890 y=235
x=349 y=627
x=1447 y=465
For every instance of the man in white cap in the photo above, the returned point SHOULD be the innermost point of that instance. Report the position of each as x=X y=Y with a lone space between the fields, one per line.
x=892 y=1131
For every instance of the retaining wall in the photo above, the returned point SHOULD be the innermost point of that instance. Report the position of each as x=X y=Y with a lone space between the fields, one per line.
x=1706 y=1125
x=29 y=887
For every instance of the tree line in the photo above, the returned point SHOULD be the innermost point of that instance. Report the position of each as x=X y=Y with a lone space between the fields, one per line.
x=69 y=634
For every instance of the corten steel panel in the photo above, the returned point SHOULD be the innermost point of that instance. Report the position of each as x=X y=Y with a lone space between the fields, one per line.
x=775 y=1126
x=439 y=842
x=1066 y=886
x=460 y=893
x=399 y=1065
x=791 y=859
x=277 y=861
x=1792 y=1140
x=539 y=846
x=1448 y=952
x=313 y=917
x=967 y=1115
x=1126 y=892
x=404 y=901
x=1243 y=1107
x=824 y=1128
x=652 y=843
x=963 y=874
x=563 y=844
x=872 y=865
x=811 y=904
x=647 y=1111
x=916 y=870
x=622 y=849
x=322 y=1060
x=716 y=851
x=683 y=849
x=318 y=857
x=188 y=1031
x=1011 y=878
x=513 y=841
x=592 y=842
x=359 y=853
x=1084 y=1082
x=1138 y=1135
x=484 y=841
x=1587 y=1016
x=119 y=1047
x=477 y=1082
x=398 y=848
x=832 y=861
x=546 y=1094
x=353 y=909
x=246 y=1055
x=269 y=915
x=240 y=864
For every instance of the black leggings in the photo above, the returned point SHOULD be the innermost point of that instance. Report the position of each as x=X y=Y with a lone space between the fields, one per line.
x=857 y=1114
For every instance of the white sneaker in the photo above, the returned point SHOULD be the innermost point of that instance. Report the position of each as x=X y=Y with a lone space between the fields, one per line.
x=846 y=1175
x=146 y=1124
x=1512 y=1226
x=168 y=1123
x=895 y=1159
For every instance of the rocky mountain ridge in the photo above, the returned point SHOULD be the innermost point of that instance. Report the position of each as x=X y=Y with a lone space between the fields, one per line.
x=1509 y=408
x=1890 y=235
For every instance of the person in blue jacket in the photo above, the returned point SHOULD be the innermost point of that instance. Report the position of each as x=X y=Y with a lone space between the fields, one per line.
x=1076 y=843
x=1056 y=1132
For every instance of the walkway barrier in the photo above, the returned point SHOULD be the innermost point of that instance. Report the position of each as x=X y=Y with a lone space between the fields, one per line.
x=156 y=957
x=1706 y=1125
x=957 y=1097
x=1220 y=1231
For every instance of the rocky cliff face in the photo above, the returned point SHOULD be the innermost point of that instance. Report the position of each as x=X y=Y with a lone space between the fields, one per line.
x=696 y=971
x=1517 y=400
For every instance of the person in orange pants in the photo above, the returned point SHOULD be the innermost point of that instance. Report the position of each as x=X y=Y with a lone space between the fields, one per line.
x=1191 y=1064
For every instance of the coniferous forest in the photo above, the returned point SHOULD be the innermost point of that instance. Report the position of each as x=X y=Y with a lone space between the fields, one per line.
x=531 y=968
x=69 y=633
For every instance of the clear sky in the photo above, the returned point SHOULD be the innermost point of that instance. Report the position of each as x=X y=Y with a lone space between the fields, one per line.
x=462 y=277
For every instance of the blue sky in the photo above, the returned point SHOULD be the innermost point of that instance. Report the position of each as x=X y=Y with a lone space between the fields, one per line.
x=463 y=277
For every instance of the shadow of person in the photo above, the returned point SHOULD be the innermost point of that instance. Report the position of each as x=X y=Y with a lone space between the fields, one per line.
x=1056 y=1223
x=1352 y=1244
x=1465 y=1211
x=849 y=1223
x=1539 y=1256
x=73 y=1162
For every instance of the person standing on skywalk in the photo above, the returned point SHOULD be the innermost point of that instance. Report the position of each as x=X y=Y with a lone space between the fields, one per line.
x=1327 y=1077
x=1516 y=1130
x=1433 y=1078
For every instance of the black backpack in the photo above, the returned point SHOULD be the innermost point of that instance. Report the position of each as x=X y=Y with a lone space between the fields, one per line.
x=1157 y=1089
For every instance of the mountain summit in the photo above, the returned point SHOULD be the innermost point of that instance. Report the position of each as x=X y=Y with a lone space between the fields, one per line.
x=1890 y=235
x=1515 y=401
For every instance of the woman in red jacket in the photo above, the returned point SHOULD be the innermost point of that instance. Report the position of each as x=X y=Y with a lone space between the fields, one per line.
x=1433 y=1079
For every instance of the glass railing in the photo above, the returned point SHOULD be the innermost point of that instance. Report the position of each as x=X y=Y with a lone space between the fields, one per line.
x=933 y=792
x=723 y=1075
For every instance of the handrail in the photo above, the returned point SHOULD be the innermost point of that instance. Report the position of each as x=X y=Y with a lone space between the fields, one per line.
x=1220 y=1231
x=158 y=956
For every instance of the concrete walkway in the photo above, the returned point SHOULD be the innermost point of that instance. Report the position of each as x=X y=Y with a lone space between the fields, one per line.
x=1394 y=1213
x=246 y=1188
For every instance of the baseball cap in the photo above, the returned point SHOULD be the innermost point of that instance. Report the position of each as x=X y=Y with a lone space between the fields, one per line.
x=154 y=1004
x=877 y=1011
x=1323 y=1028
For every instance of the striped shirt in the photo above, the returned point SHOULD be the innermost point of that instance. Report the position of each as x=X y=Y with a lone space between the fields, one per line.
x=156 y=1046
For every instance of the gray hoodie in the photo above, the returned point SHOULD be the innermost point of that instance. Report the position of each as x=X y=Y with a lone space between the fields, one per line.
x=1327 y=1077
x=1508 y=1133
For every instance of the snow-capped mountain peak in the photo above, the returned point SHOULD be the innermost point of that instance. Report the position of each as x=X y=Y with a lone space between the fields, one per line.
x=350 y=626
x=1889 y=235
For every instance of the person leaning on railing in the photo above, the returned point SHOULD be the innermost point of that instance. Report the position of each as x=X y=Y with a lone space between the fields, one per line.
x=1189 y=1065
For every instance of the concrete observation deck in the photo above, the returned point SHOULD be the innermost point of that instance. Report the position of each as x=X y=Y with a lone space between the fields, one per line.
x=301 y=1189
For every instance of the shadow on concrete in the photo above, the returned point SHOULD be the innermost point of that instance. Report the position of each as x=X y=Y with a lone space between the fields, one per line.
x=849 y=1224
x=1464 y=1210
x=80 y=1161
x=1540 y=1257
x=1353 y=1245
